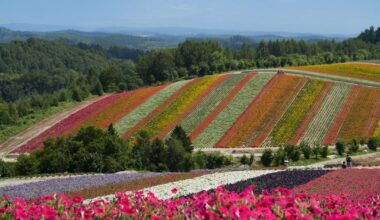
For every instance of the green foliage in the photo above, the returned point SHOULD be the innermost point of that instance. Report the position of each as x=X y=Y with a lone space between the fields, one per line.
x=316 y=150
x=279 y=157
x=267 y=157
x=353 y=146
x=306 y=150
x=26 y=165
x=324 y=151
x=373 y=143
x=340 y=147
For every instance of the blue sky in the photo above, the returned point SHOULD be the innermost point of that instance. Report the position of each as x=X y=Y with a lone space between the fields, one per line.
x=306 y=16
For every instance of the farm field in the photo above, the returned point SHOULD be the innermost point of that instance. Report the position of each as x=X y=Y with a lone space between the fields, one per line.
x=229 y=194
x=255 y=109
x=353 y=70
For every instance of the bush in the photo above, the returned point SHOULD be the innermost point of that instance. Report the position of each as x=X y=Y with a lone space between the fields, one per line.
x=354 y=147
x=340 y=148
x=244 y=160
x=306 y=150
x=373 y=143
x=267 y=157
x=324 y=151
x=295 y=154
x=316 y=151
x=26 y=165
x=279 y=157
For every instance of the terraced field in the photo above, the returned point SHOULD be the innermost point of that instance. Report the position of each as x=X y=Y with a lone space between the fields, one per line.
x=257 y=109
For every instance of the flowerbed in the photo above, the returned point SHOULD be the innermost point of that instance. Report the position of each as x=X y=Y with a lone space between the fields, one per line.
x=358 y=121
x=70 y=184
x=296 y=113
x=336 y=126
x=310 y=114
x=231 y=112
x=68 y=123
x=221 y=204
x=208 y=104
x=330 y=107
x=113 y=113
x=354 y=70
x=134 y=185
x=355 y=184
x=220 y=107
x=266 y=106
x=202 y=93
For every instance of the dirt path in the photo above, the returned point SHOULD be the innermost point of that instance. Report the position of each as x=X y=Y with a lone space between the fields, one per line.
x=19 y=139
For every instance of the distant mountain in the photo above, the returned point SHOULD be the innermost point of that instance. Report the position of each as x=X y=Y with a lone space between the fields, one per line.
x=152 y=38
x=104 y=39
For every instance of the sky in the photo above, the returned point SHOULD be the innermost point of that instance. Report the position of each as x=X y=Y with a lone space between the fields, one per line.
x=299 y=16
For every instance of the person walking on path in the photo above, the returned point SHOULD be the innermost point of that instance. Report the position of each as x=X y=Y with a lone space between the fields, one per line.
x=349 y=161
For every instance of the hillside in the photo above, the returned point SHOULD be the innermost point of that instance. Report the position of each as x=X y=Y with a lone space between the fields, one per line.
x=256 y=109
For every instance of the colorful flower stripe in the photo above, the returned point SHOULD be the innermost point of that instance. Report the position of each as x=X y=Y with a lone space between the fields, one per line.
x=132 y=118
x=113 y=113
x=357 y=184
x=276 y=113
x=310 y=114
x=157 y=110
x=67 y=123
x=326 y=114
x=334 y=130
x=209 y=103
x=179 y=105
x=359 y=117
x=246 y=128
x=374 y=118
x=172 y=123
x=231 y=112
x=220 y=106
x=296 y=113
x=223 y=141
x=354 y=70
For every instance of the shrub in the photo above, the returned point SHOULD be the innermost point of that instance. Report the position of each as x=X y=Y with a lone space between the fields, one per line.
x=340 y=147
x=306 y=150
x=316 y=151
x=279 y=157
x=353 y=147
x=26 y=165
x=267 y=157
x=373 y=143
x=324 y=151
x=295 y=154
x=362 y=141
x=244 y=160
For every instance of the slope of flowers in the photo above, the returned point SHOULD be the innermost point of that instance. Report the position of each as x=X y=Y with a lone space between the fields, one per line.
x=296 y=113
x=178 y=106
x=208 y=104
x=376 y=132
x=362 y=112
x=113 y=113
x=335 y=127
x=357 y=184
x=131 y=119
x=266 y=106
x=330 y=107
x=222 y=105
x=310 y=114
x=353 y=70
x=68 y=123
x=231 y=112
x=221 y=204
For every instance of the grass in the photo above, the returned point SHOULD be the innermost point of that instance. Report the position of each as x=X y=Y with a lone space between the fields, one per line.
x=7 y=131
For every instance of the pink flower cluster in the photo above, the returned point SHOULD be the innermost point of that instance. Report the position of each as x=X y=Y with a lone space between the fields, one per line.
x=221 y=204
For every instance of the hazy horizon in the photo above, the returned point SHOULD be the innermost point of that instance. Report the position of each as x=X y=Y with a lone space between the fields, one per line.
x=334 y=17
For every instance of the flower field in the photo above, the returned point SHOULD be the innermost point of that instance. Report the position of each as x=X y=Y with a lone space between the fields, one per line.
x=209 y=103
x=354 y=70
x=286 y=127
x=363 y=111
x=257 y=109
x=179 y=106
x=266 y=106
x=137 y=114
x=215 y=129
x=220 y=107
x=113 y=113
x=313 y=194
x=323 y=119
